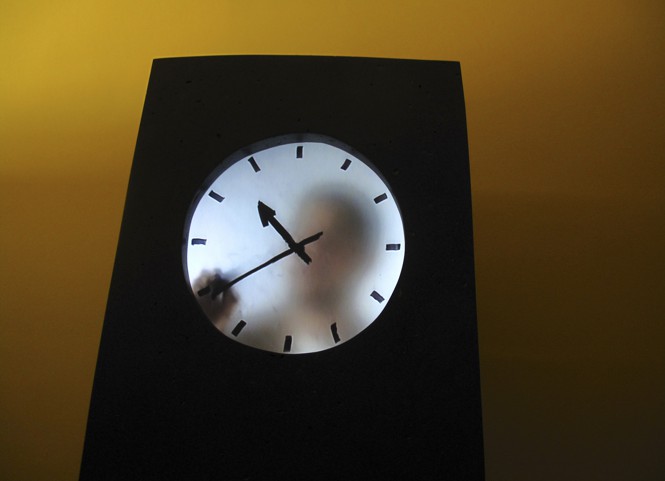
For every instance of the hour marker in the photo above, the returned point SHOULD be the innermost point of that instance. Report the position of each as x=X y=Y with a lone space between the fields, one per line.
x=378 y=297
x=215 y=196
x=236 y=330
x=380 y=198
x=299 y=152
x=393 y=247
x=346 y=164
x=287 y=344
x=199 y=242
x=255 y=166
x=333 y=329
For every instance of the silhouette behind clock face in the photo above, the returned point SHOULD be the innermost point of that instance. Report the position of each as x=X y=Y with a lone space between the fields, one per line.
x=338 y=257
x=322 y=292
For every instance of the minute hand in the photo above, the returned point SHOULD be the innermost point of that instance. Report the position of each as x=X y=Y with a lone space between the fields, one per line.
x=267 y=216
x=218 y=285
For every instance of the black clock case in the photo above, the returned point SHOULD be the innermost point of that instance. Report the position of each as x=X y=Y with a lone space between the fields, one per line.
x=173 y=398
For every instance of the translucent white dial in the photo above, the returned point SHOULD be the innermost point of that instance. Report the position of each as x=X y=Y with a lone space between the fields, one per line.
x=294 y=248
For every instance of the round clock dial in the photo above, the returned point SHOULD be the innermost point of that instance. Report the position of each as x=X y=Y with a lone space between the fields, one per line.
x=294 y=245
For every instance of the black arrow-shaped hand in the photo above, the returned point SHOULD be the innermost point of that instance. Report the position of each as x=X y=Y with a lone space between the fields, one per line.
x=267 y=216
x=218 y=285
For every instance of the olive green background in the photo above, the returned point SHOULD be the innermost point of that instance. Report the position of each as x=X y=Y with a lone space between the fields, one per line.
x=566 y=117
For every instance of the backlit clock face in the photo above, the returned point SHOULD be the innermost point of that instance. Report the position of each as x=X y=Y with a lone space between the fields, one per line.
x=293 y=245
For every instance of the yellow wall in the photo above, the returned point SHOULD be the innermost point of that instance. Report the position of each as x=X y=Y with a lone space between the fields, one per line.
x=566 y=117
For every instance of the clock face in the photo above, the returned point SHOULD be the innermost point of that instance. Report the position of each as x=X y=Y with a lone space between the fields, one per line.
x=293 y=245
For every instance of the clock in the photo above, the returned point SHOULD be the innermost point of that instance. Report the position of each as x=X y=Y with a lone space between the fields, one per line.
x=293 y=244
x=293 y=293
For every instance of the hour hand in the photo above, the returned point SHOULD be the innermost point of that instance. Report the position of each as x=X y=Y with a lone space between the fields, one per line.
x=267 y=216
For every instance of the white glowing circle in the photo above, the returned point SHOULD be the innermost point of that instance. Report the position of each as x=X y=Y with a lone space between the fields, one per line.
x=313 y=185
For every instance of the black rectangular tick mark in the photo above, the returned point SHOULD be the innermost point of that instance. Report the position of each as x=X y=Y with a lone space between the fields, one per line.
x=287 y=344
x=255 y=166
x=236 y=330
x=333 y=329
x=393 y=247
x=199 y=242
x=378 y=297
x=299 y=152
x=346 y=164
x=215 y=196
x=380 y=198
